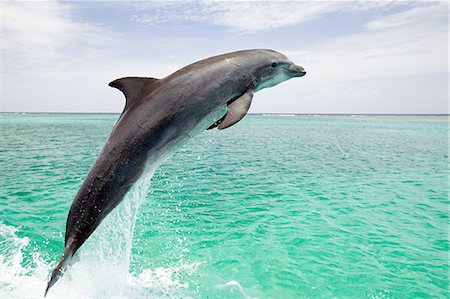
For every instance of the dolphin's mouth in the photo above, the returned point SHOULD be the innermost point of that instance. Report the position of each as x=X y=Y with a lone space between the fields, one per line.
x=296 y=70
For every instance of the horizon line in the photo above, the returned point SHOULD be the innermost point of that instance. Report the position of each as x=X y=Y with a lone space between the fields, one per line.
x=251 y=113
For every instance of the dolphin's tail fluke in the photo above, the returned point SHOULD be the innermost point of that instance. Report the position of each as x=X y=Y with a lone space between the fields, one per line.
x=63 y=263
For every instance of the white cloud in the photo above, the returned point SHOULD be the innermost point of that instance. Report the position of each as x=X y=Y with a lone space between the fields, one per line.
x=423 y=13
x=51 y=60
x=418 y=46
x=247 y=16
x=54 y=61
x=399 y=68
x=41 y=30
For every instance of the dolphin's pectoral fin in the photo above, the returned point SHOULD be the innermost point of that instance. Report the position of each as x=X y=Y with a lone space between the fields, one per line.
x=132 y=87
x=236 y=110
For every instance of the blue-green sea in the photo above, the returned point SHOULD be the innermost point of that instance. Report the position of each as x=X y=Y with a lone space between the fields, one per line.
x=273 y=207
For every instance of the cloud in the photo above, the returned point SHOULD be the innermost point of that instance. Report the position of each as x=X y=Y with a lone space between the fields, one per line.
x=422 y=13
x=50 y=58
x=247 y=17
x=416 y=46
x=39 y=31
x=398 y=65
x=57 y=58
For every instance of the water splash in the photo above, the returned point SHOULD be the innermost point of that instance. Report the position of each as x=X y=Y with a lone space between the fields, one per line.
x=102 y=265
x=16 y=280
x=106 y=254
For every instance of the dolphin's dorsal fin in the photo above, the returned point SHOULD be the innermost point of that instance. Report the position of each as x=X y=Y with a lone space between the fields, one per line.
x=236 y=110
x=132 y=86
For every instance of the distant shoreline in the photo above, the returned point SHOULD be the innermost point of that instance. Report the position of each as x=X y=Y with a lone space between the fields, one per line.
x=252 y=114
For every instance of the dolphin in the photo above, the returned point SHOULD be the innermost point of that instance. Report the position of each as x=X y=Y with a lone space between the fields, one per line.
x=159 y=114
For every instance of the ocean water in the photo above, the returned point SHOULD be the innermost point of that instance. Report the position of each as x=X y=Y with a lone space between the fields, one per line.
x=274 y=207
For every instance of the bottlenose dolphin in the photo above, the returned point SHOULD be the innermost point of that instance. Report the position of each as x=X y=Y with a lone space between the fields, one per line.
x=158 y=115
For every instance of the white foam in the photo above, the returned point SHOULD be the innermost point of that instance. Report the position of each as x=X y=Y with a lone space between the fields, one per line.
x=87 y=278
x=17 y=281
x=102 y=266
x=231 y=289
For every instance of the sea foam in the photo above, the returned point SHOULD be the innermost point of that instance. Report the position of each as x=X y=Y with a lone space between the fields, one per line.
x=102 y=265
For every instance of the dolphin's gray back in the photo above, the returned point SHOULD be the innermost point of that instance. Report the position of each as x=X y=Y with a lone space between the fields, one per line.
x=170 y=110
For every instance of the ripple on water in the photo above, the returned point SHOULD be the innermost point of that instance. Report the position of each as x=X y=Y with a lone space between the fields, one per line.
x=274 y=207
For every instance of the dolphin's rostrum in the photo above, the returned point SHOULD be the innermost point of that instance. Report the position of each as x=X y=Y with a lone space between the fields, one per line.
x=158 y=115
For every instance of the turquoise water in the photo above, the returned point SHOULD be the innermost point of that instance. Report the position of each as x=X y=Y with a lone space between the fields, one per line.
x=274 y=207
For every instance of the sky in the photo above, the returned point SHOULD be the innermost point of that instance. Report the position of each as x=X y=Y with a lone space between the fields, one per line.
x=361 y=57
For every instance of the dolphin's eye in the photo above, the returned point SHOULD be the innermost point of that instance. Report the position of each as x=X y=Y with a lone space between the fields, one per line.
x=274 y=64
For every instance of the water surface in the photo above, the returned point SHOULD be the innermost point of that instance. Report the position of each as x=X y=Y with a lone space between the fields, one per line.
x=274 y=207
